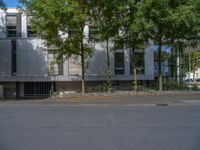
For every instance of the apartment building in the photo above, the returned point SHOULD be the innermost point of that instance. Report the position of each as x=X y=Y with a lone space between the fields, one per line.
x=28 y=68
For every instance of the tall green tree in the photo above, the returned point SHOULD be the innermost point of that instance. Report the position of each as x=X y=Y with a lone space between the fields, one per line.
x=105 y=15
x=126 y=18
x=192 y=62
x=186 y=27
x=195 y=61
x=134 y=27
x=158 y=13
x=171 y=24
x=61 y=23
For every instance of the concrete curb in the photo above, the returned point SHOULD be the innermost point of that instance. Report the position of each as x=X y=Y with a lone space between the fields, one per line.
x=100 y=105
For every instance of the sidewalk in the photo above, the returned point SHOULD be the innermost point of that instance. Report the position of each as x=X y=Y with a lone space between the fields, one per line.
x=123 y=99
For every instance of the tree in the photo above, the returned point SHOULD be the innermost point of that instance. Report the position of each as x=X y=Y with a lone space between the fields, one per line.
x=195 y=58
x=158 y=13
x=192 y=62
x=105 y=19
x=2 y=4
x=171 y=23
x=61 y=23
x=185 y=31
x=134 y=29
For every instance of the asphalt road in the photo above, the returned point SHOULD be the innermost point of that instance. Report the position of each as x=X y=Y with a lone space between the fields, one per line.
x=100 y=128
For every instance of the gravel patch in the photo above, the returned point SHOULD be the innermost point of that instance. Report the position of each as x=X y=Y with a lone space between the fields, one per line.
x=64 y=95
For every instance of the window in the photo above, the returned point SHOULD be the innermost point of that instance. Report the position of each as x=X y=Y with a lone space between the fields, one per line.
x=93 y=33
x=119 y=57
x=14 y=57
x=73 y=66
x=54 y=67
x=119 y=63
x=139 y=63
x=30 y=31
x=11 y=24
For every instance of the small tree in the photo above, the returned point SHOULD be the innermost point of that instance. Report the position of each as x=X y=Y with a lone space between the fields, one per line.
x=134 y=28
x=105 y=19
x=195 y=58
x=61 y=23
x=186 y=22
x=172 y=23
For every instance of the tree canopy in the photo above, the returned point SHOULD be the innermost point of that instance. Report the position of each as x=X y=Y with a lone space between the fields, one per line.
x=62 y=23
x=2 y=4
x=172 y=22
x=163 y=22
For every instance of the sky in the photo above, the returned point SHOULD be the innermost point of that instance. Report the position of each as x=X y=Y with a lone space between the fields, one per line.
x=11 y=3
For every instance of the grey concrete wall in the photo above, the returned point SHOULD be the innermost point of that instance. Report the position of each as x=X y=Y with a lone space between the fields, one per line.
x=31 y=58
x=97 y=65
x=1 y=92
x=2 y=24
x=9 y=89
x=149 y=61
x=5 y=58
x=24 y=25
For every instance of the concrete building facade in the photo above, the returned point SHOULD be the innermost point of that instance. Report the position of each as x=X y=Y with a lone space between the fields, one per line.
x=28 y=67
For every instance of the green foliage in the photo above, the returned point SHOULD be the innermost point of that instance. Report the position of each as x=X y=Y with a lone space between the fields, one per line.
x=171 y=22
x=195 y=60
x=103 y=87
x=172 y=85
x=2 y=4
x=195 y=87
x=61 y=23
x=98 y=88
x=133 y=24
x=109 y=85
x=106 y=17
x=192 y=62
x=133 y=27
x=163 y=22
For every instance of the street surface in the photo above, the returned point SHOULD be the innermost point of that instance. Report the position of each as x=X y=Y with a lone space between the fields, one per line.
x=130 y=100
x=112 y=127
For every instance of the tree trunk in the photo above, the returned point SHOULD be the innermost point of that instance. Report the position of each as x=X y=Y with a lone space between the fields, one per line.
x=173 y=64
x=194 y=80
x=160 y=67
x=179 y=65
x=108 y=70
x=176 y=64
x=189 y=66
x=193 y=71
x=83 y=68
x=134 y=69
x=107 y=53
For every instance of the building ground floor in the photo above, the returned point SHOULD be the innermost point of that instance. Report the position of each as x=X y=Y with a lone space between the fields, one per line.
x=36 y=89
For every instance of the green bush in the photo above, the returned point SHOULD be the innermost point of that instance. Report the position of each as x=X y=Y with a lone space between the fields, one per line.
x=171 y=85
x=109 y=86
x=99 y=88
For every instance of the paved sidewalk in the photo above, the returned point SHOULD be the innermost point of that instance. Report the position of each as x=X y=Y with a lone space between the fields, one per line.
x=163 y=99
